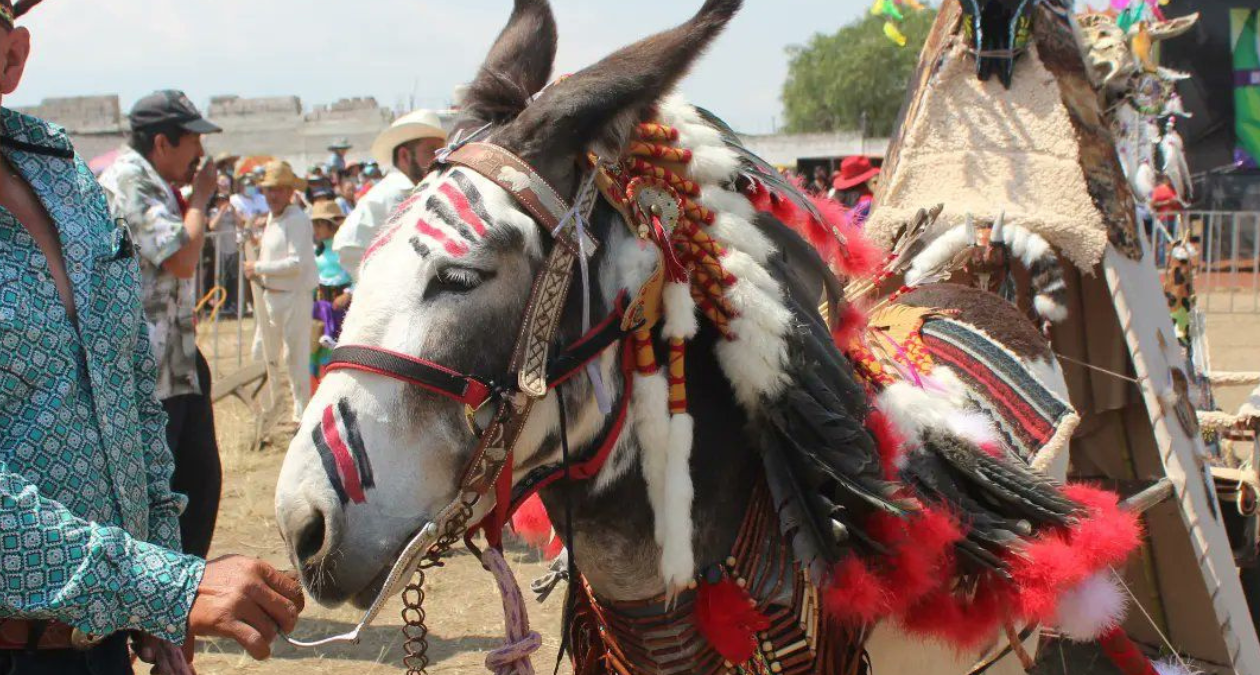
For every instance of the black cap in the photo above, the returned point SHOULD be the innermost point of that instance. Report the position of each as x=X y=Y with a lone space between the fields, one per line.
x=169 y=107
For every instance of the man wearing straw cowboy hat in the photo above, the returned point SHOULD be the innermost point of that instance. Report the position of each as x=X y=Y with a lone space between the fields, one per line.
x=409 y=145
x=288 y=274
x=89 y=525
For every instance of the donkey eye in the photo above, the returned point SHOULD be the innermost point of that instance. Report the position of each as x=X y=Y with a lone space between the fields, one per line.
x=457 y=280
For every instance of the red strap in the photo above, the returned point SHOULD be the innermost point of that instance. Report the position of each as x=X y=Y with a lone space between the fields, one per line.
x=505 y=508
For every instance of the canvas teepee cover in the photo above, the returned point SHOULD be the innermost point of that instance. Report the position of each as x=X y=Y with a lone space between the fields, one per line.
x=1042 y=153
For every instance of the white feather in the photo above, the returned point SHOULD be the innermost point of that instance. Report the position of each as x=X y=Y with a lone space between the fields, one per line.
x=680 y=312
x=1144 y=182
x=678 y=566
x=943 y=249
x=712 y=164
x=914 y=410
x=1170 y=667
x=733 y=226
x=1091 y=608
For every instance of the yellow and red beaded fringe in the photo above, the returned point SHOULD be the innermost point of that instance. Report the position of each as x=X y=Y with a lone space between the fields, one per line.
x=698 y=252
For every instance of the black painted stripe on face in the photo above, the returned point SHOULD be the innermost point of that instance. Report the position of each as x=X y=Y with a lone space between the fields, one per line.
x=449 y=218
x=354 y=439
x=419 y=247
x=474 y=197
x=330 y=465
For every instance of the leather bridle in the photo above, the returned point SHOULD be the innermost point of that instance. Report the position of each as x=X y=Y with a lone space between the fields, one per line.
x=531 y=373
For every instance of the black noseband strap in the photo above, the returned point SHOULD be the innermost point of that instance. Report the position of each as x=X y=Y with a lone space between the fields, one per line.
x=427 y=375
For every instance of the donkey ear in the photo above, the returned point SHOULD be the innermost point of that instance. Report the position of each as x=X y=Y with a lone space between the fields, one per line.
x=517 y=67
x=600 y=104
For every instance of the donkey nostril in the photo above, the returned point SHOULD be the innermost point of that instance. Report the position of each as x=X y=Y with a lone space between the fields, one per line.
x=310 y=538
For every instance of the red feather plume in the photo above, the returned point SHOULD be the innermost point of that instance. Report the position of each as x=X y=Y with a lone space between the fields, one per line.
x=532 y=524
x=729 y=619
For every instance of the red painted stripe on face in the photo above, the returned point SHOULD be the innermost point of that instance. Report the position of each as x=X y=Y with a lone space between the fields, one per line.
x=341 y=454
x=463 y=208
x=381 y=241
x=455 y=248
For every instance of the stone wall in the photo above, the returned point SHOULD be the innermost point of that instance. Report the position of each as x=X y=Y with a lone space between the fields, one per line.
x=81 y=114
x=282 y=127
x=788 y=149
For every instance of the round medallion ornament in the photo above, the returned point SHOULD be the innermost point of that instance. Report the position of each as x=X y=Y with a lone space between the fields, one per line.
x=651 y=198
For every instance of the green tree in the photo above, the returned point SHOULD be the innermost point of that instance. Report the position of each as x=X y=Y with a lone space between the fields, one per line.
x=835 y=79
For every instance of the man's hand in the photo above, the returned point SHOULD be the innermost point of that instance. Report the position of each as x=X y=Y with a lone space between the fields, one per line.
x=245 y=600
x=251 y=271
x=342 y=302
x=166 y=658
x=205 y=185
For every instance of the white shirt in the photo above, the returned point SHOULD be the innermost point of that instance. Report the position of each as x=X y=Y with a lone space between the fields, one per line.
x=286 y=254
x=368 y=218
x=250 y=207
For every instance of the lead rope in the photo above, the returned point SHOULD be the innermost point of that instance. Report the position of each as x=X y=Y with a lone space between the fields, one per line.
x=512 y=658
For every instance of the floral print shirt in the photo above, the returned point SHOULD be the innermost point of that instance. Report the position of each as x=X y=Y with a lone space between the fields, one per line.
x=138 y=195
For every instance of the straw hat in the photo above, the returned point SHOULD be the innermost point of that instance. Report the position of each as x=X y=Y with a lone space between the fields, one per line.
x=326 y=209
x=412 y=127
x=279 y=174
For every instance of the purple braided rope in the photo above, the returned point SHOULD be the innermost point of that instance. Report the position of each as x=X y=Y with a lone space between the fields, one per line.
x=513 y=657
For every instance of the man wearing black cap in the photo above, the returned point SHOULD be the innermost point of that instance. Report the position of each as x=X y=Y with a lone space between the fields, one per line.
x=142 y=188
x=89 y=528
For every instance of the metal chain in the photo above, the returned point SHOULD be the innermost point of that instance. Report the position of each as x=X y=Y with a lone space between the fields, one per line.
x=416 y=646
x=415 y=632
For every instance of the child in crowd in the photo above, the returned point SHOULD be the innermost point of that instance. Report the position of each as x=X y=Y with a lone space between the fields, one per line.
x=333 y=296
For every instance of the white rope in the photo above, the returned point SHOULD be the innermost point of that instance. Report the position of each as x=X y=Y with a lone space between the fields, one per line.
x=1151 y=620
x=1104 y=371
x=1227 y=379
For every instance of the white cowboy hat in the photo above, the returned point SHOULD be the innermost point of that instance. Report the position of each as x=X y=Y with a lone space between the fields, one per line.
x=417 y=125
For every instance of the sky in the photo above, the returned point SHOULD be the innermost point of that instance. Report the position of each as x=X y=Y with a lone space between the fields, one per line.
x=323 y=50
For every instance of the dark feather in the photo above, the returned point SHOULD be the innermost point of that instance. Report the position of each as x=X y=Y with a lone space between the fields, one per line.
x=999 y=500
x=821 y=462
x=1006 y=482
x=757 y=169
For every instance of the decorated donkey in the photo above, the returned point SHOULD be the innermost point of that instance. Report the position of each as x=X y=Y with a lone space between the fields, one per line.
x=603 y=299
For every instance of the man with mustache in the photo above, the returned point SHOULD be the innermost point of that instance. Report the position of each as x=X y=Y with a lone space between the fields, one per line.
x=142 y=186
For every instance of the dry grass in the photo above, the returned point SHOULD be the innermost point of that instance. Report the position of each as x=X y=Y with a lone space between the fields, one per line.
x=465 y=614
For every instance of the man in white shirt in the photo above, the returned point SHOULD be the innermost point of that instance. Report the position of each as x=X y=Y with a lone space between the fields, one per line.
x=409 y=145
x=287 y=272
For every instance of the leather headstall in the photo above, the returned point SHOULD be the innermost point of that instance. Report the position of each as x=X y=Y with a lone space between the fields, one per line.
x=534 y=373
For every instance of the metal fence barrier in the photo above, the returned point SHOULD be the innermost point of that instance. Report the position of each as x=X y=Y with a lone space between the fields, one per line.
x=224 y=307
x=1227 y=277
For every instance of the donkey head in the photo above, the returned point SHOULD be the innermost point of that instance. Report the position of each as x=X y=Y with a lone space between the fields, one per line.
x=447 y=281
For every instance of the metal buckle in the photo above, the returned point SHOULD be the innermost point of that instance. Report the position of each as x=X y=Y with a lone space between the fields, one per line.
x=470 y=417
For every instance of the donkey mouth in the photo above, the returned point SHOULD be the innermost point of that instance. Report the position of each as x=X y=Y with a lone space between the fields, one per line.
x=364 y=598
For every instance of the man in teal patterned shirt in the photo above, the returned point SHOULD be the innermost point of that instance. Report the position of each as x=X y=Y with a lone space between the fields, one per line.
x=89 y=532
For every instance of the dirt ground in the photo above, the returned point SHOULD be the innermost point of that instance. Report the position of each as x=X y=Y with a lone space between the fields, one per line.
x=465 y=615
x=463 y=607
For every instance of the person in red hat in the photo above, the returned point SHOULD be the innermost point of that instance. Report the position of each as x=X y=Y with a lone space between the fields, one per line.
x=853 y=186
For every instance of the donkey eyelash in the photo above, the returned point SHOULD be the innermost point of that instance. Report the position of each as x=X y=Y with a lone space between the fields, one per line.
x=462 y=276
